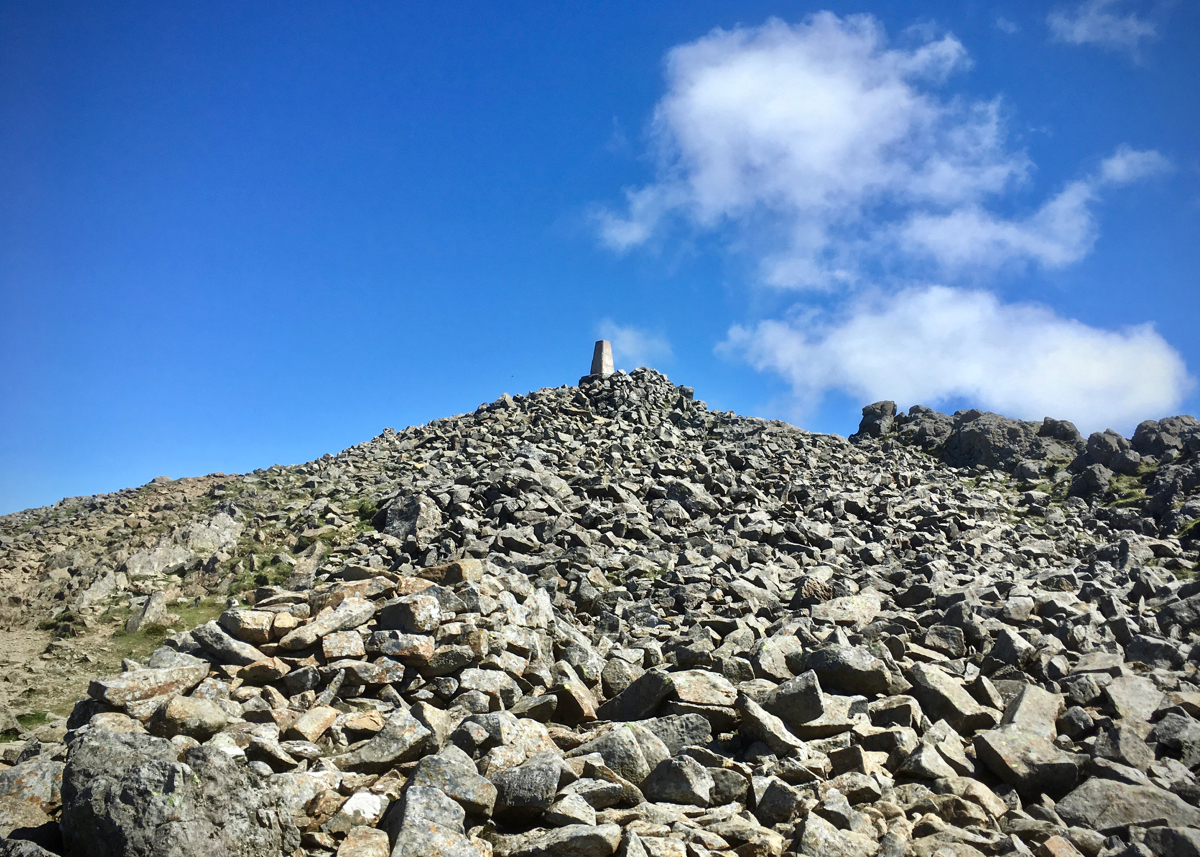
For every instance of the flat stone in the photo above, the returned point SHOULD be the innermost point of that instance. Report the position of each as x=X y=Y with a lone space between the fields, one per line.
x=856 y=611
x=413 y=649
x=249 y=626
x=343 y=644
x=223 y=647
x=849 y=669
x=476 y=794
x=1035 y=709
x=640 y=700
x=365 y=841
x=944 y=698
x=574 y=840
x=312 y=724
x=701 y=687
x=402 y=739
x=1133 y=697
x=1099 y=662
x=142 y=684
x=682 y=780
x=1106 y=805
x=36 y=781
x=834 y=721
x=264 y=671
x=16 y=814
x=1025 y=759
x=348 y=615
x=678 y=731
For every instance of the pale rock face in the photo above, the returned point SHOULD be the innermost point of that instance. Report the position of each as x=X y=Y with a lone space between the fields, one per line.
x=604 y=620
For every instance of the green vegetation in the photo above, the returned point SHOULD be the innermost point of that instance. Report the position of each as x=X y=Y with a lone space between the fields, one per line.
x=366 y=509
x=269 y=572
x=28 y=722
x=142 y=643
x=1130 y=490
x=33 y=720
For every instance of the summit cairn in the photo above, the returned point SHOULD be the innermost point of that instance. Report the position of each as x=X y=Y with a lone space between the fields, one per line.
x=602 y=361
x=607 y=621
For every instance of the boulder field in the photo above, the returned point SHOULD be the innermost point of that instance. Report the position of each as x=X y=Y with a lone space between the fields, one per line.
x=603 y=620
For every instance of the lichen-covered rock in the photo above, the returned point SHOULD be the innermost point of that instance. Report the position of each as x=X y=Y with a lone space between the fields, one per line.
x=128 y=794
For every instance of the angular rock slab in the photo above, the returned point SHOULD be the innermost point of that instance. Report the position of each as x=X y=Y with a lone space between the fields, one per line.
x=1021 y=755
x=1106 y=805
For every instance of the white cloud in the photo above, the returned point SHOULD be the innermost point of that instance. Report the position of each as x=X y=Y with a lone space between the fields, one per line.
x=1004 y=25
x=1094 y=22
x=1128 y=165
x=824 y=147
x=934 y=344
x=634 y=347
x=812 y=127
x=1062 y=231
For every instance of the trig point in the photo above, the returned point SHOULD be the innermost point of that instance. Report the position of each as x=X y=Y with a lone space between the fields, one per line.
x=602 y=363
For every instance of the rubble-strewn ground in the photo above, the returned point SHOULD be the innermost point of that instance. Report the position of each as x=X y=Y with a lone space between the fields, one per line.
x=604 y=620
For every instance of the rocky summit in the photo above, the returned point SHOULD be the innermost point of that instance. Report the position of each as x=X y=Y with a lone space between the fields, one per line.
x=604 y=620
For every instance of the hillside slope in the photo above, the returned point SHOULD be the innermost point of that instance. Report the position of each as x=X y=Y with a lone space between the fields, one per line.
x=919 y=638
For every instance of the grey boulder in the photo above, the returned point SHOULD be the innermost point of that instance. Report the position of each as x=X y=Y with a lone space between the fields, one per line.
x=127 y=794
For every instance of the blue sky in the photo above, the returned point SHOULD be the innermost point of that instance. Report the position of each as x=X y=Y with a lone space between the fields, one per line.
x=239 y=234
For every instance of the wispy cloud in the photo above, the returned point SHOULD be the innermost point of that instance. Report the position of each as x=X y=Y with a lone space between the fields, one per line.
x=828 y=156
x=1097 y=22
x=935 y=344
x=633 y=346
x=1004 y=25
x=1060 y=232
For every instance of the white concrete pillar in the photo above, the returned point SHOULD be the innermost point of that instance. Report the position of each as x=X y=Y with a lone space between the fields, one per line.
x=602 y=362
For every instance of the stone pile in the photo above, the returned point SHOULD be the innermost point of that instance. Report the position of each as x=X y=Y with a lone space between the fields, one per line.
x=604 y=620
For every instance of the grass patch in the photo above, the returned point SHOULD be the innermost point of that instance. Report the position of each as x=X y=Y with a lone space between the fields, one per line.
x=28 y=722
x=34 y=720
x=365 y=509
x=141 y=644
x=268 y=573
x=1126 y=491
